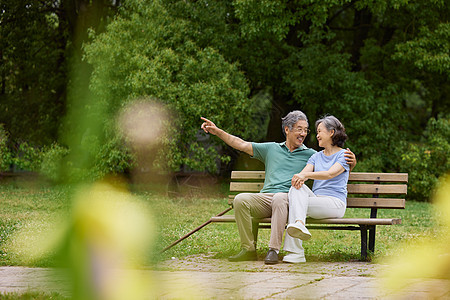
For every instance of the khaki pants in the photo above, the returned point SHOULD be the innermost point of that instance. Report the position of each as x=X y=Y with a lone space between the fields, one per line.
x=261 y=205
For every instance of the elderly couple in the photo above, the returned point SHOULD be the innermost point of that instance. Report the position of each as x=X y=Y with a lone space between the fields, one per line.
x=284 y=196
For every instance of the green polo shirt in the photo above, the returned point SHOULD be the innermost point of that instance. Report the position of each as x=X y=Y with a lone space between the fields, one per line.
x=280 y=164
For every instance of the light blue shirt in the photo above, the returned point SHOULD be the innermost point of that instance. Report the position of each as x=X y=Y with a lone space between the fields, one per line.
x=280 y=164
x=334 y=187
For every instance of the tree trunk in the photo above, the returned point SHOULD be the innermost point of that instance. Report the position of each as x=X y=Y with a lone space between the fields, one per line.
x=361 y=23
x=280 y=108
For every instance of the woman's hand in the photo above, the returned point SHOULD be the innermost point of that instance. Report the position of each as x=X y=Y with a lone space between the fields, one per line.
x=298 y=180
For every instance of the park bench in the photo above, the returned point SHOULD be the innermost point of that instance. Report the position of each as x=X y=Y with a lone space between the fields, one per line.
x=365 y=190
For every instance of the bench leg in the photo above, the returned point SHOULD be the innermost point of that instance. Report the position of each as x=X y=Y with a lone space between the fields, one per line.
x=363 y=229
x=373 y=214
x=255 y=228
x=372 y=231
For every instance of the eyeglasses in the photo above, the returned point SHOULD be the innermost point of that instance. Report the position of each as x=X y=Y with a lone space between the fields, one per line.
x=301 y=130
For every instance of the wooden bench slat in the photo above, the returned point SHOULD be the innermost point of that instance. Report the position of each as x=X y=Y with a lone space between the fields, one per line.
x=392 y=203
x=246 y=186
x=343 y=221
x=223 y=219
x=387 y=189
x=375 y=203
x=363 y=221
x=381 y=177
x=352 y=188
x=248 y=175
x=354 y=176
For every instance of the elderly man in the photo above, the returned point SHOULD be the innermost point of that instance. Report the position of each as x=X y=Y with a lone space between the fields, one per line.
x=282 y=161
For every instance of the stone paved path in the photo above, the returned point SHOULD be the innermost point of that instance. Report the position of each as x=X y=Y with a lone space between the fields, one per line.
x=204 y=277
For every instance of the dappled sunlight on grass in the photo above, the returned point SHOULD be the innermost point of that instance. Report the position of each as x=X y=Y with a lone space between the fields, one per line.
x=35 y=241
x=23 y=208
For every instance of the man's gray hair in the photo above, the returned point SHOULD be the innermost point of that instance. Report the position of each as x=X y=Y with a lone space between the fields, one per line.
x=291 y=118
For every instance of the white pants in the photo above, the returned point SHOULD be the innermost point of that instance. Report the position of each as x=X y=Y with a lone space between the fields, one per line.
x=302 y=203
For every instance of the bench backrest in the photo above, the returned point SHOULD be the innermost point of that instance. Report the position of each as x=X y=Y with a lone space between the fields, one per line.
x=365 y=190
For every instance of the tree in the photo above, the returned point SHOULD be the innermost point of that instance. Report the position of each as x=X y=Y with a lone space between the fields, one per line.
x=147 y=52
x=365 y=62
x=32 y=69
x=38 y=40
x=381 y=67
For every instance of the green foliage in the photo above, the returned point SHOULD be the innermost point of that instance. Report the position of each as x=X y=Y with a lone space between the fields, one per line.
x=39 y=40
x=20 y=156
x=27 y=157
x=109 y=158
x=32 y=70
x=112 y=158
x=429 y=51
x=5 y=153
x=428 y=161
x=318 y=56
x=362 y=61
x=382 y=67
x=52 y=160
x=147 y=52
x=264 y=17
x=321 y=81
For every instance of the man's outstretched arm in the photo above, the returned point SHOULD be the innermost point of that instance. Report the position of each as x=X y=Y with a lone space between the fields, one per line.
x=231 y=140
x=350 y=157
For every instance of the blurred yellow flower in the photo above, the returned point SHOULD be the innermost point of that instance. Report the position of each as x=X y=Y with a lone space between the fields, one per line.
x=429 y=258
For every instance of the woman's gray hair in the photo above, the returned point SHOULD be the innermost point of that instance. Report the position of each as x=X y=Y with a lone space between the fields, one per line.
x=332 y=123
x=291 y=118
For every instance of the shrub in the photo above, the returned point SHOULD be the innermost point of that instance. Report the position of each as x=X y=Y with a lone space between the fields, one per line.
x=147 y=53
x=427 y=161
x=109 y=158
x=51 y=161
x=20 y=156
x=5 y=153
x=112 y=158
x=27 y=157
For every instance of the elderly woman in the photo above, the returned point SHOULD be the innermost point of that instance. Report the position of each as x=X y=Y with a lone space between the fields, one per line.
x=330 y=172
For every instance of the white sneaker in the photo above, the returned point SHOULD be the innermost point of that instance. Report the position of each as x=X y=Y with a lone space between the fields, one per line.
x=294 y=258
x=298 y=230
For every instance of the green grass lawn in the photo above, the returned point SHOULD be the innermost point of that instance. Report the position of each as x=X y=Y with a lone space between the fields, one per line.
x=418 y=220
x=23 y=206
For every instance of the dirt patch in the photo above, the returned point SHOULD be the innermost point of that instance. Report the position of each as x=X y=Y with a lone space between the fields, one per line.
x=207 y=263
